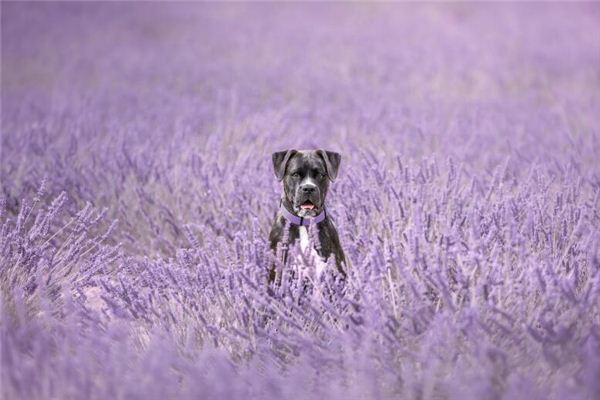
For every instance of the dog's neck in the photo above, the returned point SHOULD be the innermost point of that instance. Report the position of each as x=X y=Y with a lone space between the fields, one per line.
x=302 y=221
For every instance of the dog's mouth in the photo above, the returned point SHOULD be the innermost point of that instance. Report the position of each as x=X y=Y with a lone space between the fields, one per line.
x=307 y=205
x=307 y=208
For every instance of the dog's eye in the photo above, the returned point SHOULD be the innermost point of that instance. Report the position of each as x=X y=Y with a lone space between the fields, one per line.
x=320 y=175
x=295 y=175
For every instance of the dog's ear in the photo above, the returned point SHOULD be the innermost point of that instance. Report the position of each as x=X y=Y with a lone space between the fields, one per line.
x=280 y=160
x=332 y=162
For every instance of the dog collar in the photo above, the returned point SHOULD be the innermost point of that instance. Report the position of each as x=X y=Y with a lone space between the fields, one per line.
x=302 y=221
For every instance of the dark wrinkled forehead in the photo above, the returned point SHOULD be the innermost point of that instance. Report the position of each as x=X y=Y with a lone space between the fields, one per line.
x=306 y=159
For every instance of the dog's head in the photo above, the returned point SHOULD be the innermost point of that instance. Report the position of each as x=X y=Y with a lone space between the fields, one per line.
x=306 y=175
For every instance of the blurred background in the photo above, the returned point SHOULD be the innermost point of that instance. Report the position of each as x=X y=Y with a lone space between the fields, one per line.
x=121 y=101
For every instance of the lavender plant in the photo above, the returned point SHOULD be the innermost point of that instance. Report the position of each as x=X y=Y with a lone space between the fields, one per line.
x=137 y=195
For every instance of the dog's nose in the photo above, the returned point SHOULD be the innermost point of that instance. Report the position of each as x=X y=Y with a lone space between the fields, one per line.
x=308 y=189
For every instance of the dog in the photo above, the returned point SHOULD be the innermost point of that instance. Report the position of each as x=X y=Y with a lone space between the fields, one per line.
x=306 y=175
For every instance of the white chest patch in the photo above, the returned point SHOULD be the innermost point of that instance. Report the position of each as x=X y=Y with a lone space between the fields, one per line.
x=305 y=244
x=303 y=238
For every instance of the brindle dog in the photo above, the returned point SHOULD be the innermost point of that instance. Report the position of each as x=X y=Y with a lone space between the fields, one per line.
x=306 y=175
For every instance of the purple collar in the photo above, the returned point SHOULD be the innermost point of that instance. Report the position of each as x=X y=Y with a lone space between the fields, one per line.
x=295 y=220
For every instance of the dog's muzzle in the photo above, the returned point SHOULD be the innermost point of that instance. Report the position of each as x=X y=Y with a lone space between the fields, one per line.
x=308 y=200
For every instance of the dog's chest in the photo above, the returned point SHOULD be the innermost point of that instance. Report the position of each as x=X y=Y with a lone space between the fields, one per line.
x=304 y=242
x=305 y=246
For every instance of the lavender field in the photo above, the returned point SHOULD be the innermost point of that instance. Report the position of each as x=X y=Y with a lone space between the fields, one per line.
x=137 y=194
